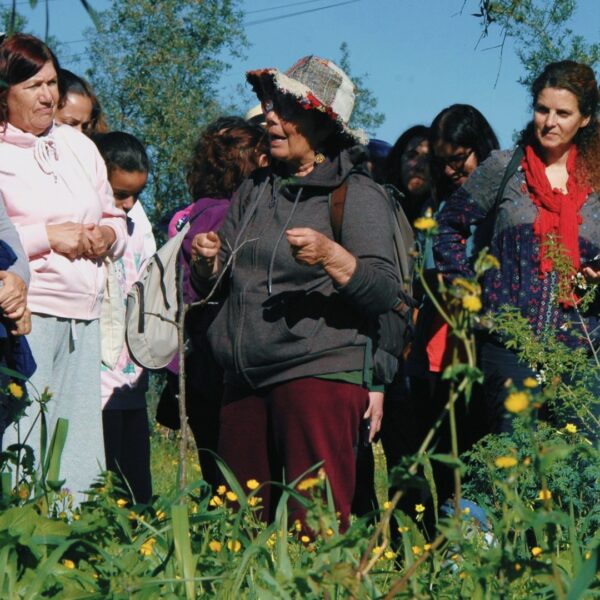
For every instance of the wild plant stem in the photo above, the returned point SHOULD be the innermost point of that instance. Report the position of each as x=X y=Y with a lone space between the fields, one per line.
x=183 y=440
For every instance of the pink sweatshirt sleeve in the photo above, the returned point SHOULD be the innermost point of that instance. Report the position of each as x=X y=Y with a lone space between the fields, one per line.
x=112 y=216
x=34 y=239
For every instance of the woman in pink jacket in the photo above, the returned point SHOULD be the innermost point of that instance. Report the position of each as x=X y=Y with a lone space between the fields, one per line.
x=55 y=188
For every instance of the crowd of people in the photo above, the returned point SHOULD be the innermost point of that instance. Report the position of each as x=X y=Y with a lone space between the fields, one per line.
x=291 y=231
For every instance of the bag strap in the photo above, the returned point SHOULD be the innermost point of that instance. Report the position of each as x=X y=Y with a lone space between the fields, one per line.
x=337 y=201
x=510 y=170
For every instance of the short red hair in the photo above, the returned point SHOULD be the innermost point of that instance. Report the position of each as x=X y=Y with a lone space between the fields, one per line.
x=21 y=57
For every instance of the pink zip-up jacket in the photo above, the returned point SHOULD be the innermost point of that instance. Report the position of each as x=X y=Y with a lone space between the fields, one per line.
x=51 y=179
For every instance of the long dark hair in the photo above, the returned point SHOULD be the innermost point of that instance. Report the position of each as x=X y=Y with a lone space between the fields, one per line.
x=579 y=79
x=393 y=163
x=73 y=84
x=460 y=125
x=21 y=57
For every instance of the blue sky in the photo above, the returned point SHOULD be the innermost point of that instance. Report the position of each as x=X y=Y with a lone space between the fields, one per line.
x=420 y=55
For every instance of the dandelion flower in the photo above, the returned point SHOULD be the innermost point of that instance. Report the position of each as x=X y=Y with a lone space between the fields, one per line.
x=305 y=539
x=234 y=545
x=387 y=505
x=215 y=501
x=221 y=490
x=419 y=508
x=471 y=303
x=571 y=428
x=147 y=547
x=215 y=546
x=297 y=525
x=505 y=462
x=15 y=390
x=517 y=402
x=545 y=495
x=252 y=484
x=160 y=515
x=536 y=551
x=231 y=496
x=530 y=382
x=425 y=223
x=308 y=483
x=68 y=563
x=390 y=554
x=253 y=501
x=427 y=547
x=329 y=531
x=121 y=502
x=517 y=566
x=416 y=550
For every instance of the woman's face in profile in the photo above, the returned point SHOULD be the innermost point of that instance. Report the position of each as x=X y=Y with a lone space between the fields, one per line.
x=76 y=112
x=32 y=103
x=414 y=167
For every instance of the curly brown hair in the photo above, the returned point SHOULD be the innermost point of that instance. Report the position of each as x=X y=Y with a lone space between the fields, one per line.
x=223 y=158
x=579 y=79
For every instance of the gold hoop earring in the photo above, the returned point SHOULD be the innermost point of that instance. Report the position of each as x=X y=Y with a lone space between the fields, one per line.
x=319 y=158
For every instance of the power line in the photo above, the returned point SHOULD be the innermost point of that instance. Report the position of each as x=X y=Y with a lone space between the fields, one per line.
x=261 y=10
x=302 y=12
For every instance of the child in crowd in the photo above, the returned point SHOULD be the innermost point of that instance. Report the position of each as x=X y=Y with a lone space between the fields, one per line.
x=125 y=421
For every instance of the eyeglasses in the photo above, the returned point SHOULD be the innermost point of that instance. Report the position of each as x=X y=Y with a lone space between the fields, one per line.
x=283 y=106
x=456 y=162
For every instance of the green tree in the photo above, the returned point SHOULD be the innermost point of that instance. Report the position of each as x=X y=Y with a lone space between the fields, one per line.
x=540 y=30
x=156 y=65
x=365 y=113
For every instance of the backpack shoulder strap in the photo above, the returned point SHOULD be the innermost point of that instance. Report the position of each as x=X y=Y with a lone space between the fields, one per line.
x=510 y=170
x=337 y=201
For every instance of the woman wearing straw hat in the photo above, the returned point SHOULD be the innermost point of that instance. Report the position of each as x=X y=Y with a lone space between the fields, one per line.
x=292 y=334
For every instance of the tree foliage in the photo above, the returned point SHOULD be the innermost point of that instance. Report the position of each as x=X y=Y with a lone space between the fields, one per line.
x=156 y=66
x=365 y=113
x=540 y=30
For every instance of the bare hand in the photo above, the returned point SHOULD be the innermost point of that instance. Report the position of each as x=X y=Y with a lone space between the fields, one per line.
x=375 y=413
x=22 y=325
x=309 y=247
x=591 y=274
x=13 y=295
x=69 y=239
x=100 y=238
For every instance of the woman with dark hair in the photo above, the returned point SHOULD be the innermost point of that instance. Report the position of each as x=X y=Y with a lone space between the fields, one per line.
x=79 y=107
x=459 y=138
x=292 y=335
x=407 y=169
x=56 y=192
x=226 y=152
x=553 y=195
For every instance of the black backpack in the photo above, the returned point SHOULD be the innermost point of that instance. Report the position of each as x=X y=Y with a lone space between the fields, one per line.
x=392 y=330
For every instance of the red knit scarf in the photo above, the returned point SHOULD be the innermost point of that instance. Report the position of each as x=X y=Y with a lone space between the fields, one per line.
x=558 y=213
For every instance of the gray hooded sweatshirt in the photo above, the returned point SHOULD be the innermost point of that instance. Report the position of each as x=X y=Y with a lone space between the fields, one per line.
x=282 y=320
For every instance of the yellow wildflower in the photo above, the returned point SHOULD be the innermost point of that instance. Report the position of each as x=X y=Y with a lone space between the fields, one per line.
x=68 y=563
x=305 y=539
x=215 y=546
x=471 y=303
x=571 y=428
x=253 y=501
x=417 y=550
x=505 y=462
x=527 y=461
x=517 y=402
x=132 y=516
x=221 y=490
x=390 y=554
x=536 y=551
x=231 y=496
x=160 y=515
x=419 y=508
x=491 y=261
x=329 y=531
x=387 y=505
x=588 y=555
x=147 y=547
x=402 y=529
x=215 y=501
x=234 y=545
x=252 y=484
x=530 y=382
x=545 y=495
x=76 y=517
x=466 y=511
x=297 y=525
x=517 y=566
x=121 y=502
x=466 y=284
x=427 y=547
x=308 y=483
x=16 y=390
x=425 y=223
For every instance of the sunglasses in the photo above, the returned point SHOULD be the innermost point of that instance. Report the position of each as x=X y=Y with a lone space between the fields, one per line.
x=456 y=162
x=283 y=106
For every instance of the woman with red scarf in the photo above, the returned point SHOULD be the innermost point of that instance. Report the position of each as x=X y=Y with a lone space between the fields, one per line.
x=553 y=195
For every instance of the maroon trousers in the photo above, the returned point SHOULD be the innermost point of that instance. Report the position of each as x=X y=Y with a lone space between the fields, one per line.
x=278 y=433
